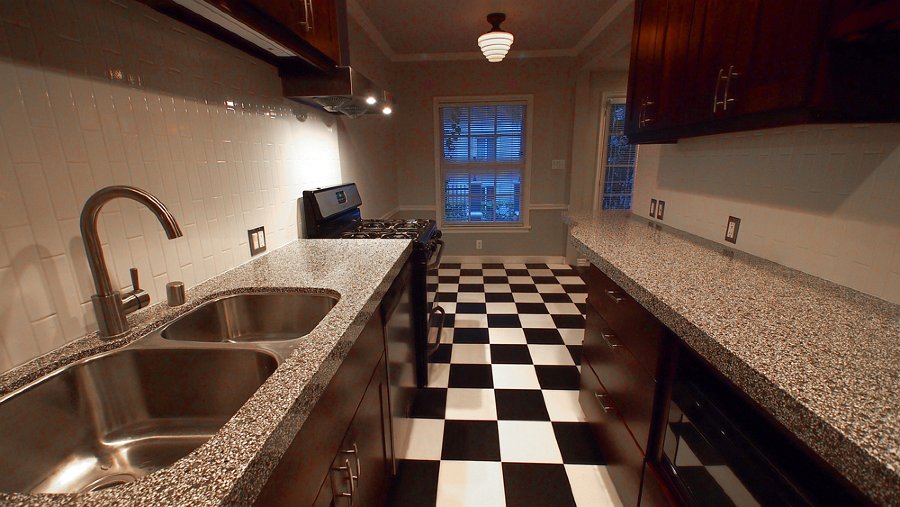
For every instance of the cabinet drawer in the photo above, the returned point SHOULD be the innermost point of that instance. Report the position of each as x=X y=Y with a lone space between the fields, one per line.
x=636 y=328
x=630 y=387
x=623 y=456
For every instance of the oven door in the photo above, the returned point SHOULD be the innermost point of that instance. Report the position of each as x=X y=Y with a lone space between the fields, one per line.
x=436 y=313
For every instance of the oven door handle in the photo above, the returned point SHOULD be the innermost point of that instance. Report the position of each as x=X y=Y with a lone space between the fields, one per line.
x=440 y=332
x=439 y=254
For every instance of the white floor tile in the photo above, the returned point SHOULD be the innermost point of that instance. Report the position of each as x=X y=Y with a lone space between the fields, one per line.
x=469 y=483
x=557 y=355
x=521 y=280
x=537 y=321
x=514 y=266
x=578 y=298
x=438 y=374
x=471 y=279
x=527 y=297
x=572 y=336
x=592 y=486
x=448 y=272
x=528 y=442
x=470 y=266
x=448 y=307
x=514 y=376
x=550 y=289
x=563 y=406
x=470 y=320
x=559 y=266
x=470 y=297
x=494 y=288
x=508 y=336
x=540 y=272
x=419 y=438
x=467 y=353
x=570 y=280
x=563 y=309
x=449 y=288
x=501 y=308
x=471 y=404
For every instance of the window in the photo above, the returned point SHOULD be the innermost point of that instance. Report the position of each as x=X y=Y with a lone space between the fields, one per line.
x=482 y=155
x=620 y=158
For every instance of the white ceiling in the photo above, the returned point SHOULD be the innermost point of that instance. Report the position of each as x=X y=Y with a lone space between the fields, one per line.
x=408 y=30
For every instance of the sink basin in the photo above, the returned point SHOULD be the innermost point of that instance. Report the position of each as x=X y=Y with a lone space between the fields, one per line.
x=252 y=318
x=110 y=419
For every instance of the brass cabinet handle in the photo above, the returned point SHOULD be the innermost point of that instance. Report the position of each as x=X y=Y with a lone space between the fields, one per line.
x=725 y=99
x=716 y=101
x=601 y=399
x=614 y=295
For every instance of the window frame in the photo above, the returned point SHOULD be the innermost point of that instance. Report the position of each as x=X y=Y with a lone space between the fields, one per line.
x=525 y=202
x=608 y=100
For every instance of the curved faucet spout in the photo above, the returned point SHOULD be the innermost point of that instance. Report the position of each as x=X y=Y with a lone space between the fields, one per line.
x=106 y=297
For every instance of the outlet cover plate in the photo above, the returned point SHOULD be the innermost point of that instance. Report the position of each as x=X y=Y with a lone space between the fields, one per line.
x=652 y=208
x=731 y=230
x=660 y=209
x=257 y=239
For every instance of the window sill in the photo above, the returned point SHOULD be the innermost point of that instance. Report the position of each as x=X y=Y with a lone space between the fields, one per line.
x=481 y=229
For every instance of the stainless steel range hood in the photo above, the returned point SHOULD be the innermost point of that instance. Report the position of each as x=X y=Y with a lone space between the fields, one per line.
x=341 y=91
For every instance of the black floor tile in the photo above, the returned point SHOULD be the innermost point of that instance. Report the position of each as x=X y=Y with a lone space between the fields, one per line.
x=536 y=266
x=431 y=287
x=568 y=321
x=499 y=297
x=565 y=272
x=510 y=354
x=492 y=266
x=576 y=352
x=511 y=320
x=450 y=265
x=471 y=308
x=475 y=376
x=470 y=335
x=429 y=403
x=557 y=377
x=521 y=405
x=496 y=279
x=471 y=441
x=471 y=287
x=449 y=320
x=532 y=484
x=531 y=308
x=470 y=272
x=523 y=287
x=582 y=307
x=448 y=279
x=577 y=444
x=442 y=354
x=545 y=280
x=446 y=297
x=556 y=298
x=415 y=485
x=517 y=272
x=575 y=289
x=543 y=337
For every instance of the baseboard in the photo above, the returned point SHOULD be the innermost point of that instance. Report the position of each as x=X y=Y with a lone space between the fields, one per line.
x=505 y=259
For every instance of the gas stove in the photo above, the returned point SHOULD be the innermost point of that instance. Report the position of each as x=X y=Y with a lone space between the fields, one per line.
x=414 y=228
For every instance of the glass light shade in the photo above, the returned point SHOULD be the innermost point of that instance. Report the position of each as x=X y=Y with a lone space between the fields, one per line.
x=495 y=45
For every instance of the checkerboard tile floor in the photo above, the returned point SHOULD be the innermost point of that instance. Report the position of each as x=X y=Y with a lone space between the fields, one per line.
x=500 y=423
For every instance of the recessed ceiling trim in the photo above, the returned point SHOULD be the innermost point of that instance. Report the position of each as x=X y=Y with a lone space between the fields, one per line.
x=602 y=24
x=359 y=15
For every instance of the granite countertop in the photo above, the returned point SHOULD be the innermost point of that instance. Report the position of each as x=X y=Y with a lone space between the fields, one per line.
x=232 y=467
x=823 y=359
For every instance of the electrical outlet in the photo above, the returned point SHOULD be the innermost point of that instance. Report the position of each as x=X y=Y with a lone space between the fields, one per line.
x=257 y=240
x=558 y=165
x=477 y=244
x=660 y=209
x=731 y=231
x=652 y=208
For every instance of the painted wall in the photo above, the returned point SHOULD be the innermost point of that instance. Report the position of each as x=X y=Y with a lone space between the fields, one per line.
x=99 y=92
x=821 y=199
x=550 y=81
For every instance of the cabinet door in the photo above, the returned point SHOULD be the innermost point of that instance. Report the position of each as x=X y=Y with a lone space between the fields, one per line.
x=314 y=21
x=720 y=47
x=646 y=40
x=785 y=46
x=362 y=458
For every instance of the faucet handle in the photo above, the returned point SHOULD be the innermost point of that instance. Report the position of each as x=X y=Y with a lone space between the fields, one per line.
x=135 y=282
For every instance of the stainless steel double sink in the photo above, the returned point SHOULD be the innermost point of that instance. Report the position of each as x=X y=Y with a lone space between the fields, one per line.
x=111 y=418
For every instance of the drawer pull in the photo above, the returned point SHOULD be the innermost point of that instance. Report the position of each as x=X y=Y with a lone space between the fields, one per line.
x=611 y=340
x=615 y=296
x=350 y=478
x=601 y=399
x=355 y=453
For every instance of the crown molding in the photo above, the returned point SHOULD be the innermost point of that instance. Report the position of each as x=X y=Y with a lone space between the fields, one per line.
x=359 y=15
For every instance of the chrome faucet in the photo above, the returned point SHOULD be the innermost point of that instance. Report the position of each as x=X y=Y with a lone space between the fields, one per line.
x=111 y=306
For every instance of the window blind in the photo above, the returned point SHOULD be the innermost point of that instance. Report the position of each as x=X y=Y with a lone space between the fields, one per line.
x=483 y=162
x=621 y=157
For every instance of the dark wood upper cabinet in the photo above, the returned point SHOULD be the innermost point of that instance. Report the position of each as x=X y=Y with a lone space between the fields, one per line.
x=314 y=21
x=710 y=66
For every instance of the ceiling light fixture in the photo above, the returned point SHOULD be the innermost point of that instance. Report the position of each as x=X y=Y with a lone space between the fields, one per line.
x=496 y=43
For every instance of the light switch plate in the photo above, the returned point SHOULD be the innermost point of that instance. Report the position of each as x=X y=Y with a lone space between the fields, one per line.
x=257 y=239
x=731 y=230
x=558 y=165
x=652 y=208
x=660 y=210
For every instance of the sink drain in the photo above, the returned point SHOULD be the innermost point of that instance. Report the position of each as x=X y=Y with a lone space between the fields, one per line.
x=109 y=481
